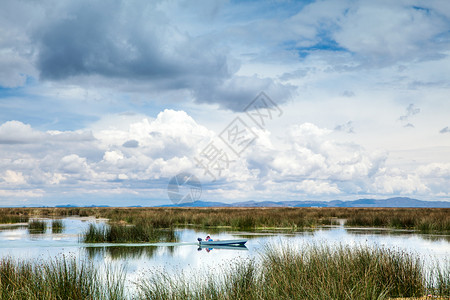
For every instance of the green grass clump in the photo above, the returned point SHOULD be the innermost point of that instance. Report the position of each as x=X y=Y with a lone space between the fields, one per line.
x=115 y=233
x=37 y=226
x=60 y=278
x=57 y=226
x=313 y=272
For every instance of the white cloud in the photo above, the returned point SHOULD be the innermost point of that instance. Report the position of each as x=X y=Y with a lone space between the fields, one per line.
x=311 y=187
x=12 y=177
x=15 y=132
x=307 y=161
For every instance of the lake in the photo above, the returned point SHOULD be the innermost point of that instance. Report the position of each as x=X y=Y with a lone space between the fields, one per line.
x=185 y=256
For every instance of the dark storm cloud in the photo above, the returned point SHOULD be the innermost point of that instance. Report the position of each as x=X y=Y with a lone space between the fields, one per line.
x=139 y=44
x=121 y=40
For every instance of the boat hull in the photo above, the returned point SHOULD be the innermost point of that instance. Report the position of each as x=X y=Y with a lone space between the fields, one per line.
x=224 y=243
x=227 y=247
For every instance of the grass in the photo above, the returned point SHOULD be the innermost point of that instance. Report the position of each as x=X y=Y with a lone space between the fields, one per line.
x=13 y=219
x=37 y=226
x=422 y=219
x=114 y=233
x=279 y=272
x=57 y=226
x=314 y=272
x=59 y=278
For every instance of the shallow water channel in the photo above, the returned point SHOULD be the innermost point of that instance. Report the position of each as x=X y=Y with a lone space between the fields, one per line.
x=136 y=260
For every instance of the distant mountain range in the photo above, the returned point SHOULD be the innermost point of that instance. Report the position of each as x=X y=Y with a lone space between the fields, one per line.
x=391 y=202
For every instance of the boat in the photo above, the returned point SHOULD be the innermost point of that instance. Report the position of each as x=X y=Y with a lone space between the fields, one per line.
x=239 y=242
x=226 y=247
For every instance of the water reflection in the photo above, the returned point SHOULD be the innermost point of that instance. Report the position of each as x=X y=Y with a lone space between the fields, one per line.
x=57 y=226
x=22 y=242
x=122 y=252
x=398 y=233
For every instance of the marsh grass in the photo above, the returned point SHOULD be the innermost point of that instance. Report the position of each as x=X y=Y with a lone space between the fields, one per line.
x=37 y=226
x=279 y=272
x=57 y=226
x=12 y=219
x=60 y=278
x=422 y=219
x=439 y=280
x=313 y=272
x=114 y=233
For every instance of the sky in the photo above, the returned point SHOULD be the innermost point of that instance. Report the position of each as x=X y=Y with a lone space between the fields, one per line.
x=104 y=102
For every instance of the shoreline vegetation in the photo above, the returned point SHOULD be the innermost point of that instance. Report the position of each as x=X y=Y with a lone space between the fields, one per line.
x=115 y=233
x=280 y=272
x=425 y=220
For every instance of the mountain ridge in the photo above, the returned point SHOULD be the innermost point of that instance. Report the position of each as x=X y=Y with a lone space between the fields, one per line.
x=395 y=202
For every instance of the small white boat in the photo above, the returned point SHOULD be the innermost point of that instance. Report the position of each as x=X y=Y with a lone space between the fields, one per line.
x=239 y=242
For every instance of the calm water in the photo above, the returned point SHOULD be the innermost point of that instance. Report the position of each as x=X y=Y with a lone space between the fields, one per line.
x=186 y=257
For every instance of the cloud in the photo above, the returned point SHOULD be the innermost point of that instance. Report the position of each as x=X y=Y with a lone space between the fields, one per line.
x=137 y=48
x=12 y=177
x=139 y=43
x=15 y=132
x=16 y=49
x=311 y=187
x=348 y=93
x=131 y=144
x=411 y=110
x=346 y=127
x=444 y=130
x=86 y=63
x=385 y=32
x=305 y=161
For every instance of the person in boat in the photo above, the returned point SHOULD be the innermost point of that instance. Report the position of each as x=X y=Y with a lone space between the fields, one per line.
x=208 y=239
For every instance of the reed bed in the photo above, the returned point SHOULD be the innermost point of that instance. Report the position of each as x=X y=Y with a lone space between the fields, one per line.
x=421 y=219
x=13 y=219
x=279 y=272
x=59 y=278
x=313 y=272
x=37 y=226
x=57 y=226
x=114 y=233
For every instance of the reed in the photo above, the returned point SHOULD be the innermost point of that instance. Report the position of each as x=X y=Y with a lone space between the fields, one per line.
x=37 y=226
x=114 y=233
x=313 y=272
x=439 y=280
x=59 y=278
x=421 y=219
x=13 y=219
x=279 y=272
x=57 y=226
